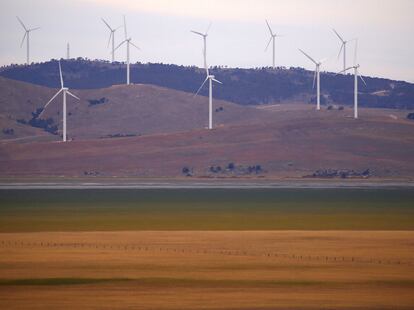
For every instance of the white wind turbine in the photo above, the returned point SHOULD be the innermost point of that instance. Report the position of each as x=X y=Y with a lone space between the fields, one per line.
x=204 y=36
x=318 y=79
x=210 y=78
x=65 y=91
x=27 y=37
x=273 y=37
x=343 y=46
x=111 y=38
x=128 y=43
x=356 y=75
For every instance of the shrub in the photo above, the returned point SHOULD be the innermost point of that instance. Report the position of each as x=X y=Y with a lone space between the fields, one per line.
x=8 y=131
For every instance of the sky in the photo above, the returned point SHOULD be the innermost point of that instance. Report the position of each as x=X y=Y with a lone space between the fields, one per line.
x=237 y=37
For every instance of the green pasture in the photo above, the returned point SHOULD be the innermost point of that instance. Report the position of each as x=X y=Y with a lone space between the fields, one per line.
x=205 y=209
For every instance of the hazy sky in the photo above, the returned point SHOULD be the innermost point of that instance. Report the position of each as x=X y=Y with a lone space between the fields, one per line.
x=237 y=37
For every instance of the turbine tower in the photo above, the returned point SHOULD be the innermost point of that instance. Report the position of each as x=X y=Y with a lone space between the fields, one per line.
x=128 y=42
x=64 y=90
x=27 y=37
x=67 y=51
x=318 y=79
x=273 y=37
x=111 y=38
x=356 y=75
x=210 y=79
x=204 y=36
x=343 y=47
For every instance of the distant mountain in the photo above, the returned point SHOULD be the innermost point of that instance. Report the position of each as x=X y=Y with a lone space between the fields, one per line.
x=242 y=86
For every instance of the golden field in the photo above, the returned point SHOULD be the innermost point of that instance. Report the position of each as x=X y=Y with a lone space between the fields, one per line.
x=207 y=270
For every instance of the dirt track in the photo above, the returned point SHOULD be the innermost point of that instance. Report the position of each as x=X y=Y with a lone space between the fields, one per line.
x=213 y=270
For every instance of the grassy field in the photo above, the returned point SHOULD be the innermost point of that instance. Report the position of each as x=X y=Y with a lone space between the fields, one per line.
x=215 y=249
x=207 y=270
x=206 y=209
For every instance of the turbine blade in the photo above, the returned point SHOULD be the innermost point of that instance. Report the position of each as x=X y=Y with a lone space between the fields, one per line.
x=69 y=93
x=344 y=70
x=134 y=45
x=355 y=52
x=267 y=46
x=25 y=33
x=217 y=81
x=196 y=32
x=201 y=86
x=33 y=29
x=362 y=79
x=110 y=37
x=119 y=45
x=311 y=59
x=107 y=24
x=21 y=23
x=117 y=28
x=340 y=50
x=270 y=29
x=314 y=79
x=61 y=77
x=208 y=28
x=44 y=108
x=125 y=28
x=340 y=38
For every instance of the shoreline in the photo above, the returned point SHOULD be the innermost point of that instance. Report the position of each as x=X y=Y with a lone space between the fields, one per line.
x=205 y=184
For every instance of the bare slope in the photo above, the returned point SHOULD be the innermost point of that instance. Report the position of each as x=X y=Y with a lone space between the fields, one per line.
x=295 y=143
x=117 y=110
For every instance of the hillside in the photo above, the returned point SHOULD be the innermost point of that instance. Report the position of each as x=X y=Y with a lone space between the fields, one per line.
x=115 y=111
x=241 y=86
x=298 y=143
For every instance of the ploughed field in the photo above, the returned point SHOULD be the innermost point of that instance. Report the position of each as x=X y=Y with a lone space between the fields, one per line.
x=207 y=249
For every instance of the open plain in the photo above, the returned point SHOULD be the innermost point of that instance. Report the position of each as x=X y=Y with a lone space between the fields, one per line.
x=207 y=270
x=338 y=248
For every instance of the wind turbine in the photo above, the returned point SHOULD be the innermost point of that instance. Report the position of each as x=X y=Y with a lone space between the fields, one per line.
x=343 y=46
x=356 y=74
x=209 y=77
x=65 y=91
x=67 y=51
x=128 y=43
x=317 y=77
x=204 y=36
x=111 y=36
x=27 y=37
x=272 y=38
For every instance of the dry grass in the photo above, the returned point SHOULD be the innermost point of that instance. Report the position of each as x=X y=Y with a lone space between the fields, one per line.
x=208 y=270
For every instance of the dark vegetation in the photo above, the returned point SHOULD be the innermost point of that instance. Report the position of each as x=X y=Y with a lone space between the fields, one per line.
x=93 y=102
x=410 y=116
x=120 y=135
x=243 y=86
x=46 y=124
x=187 y=171
x=233 y=169
x=8 y=131
x=340 y=173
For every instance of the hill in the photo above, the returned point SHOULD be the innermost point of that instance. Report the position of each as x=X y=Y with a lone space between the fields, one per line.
x=242 y=86
x=115 y=111
x=298 y=143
